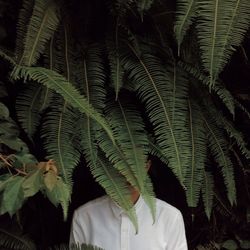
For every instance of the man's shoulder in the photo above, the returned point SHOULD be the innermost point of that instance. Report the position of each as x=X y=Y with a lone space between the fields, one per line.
x=93 y=204
x=163 y=206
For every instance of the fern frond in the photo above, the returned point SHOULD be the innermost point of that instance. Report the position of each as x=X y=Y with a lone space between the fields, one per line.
x=57 y=134
x=91 y=75
x=129 y=132
x=163 y=102
x=9 y=240
x=60 y=85
x=207 y=192
x=23 y=18
x=198 y=148
x=185 y=13
x=6 y=55
x=221 y=27
x=28 y=108
x=132 y=139
x=220 y=150
x=225 y=95
x=114 y=55
x=115 y=185
x=240 y=106
x=42 y=25
x=234 y=134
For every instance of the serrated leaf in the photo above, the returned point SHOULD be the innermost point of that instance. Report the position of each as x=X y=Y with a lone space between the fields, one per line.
x=13 y=197
x=32 y=183
x=60 y=194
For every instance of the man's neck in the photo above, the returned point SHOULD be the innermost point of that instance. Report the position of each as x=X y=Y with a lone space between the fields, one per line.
x=135 y=196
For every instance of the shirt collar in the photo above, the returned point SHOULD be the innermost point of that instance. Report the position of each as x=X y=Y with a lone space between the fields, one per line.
x=117 y=210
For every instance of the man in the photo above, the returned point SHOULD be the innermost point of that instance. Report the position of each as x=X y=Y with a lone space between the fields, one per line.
x=103 y=223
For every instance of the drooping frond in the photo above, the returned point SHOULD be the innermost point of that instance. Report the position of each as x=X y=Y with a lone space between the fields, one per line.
x=28 y=107
x=207 y=192
x=132 y=139
x=130 y=135
x=219 y=148
x=166 y=106
x=23 y=18
x=234 y=134
x=114 y=55
x=185 y=13
x=115 y=185
x=91 y=80
x=91 y=76
x=225 y=96
x=155 y=150
x=221 y=27
x=9 y=240
x=198 y=154
x=59 y=84
x=57 y=134
x=42 y=25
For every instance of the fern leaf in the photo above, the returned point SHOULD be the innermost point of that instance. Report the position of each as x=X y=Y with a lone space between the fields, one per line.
x=161 y=101
x=225 y=96
x=43 y=23
x=114 y=56
x=9 y=240
x=28 y=108
x=220 y=151
x=207 y=192
x=115 y=185
x=194 y=175
x=221 y=27
x=185 y=14
x=132 y=139
x=58 y=133
x=58 y=83
x=23 y=18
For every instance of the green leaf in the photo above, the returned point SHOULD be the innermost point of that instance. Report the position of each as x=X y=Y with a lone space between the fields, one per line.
x=32 y=183
x=230 y=245
x=13 y=196
x=60 y=194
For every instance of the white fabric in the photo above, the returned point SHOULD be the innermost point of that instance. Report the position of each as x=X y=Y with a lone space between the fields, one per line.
x=104 y=224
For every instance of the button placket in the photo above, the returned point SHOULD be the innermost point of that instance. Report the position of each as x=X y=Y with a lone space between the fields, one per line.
x=124 y=232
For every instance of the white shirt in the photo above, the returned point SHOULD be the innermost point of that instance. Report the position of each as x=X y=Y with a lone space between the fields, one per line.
x=103 y=223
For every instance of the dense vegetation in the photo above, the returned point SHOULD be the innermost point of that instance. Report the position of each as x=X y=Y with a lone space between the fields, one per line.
x=99 y=86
